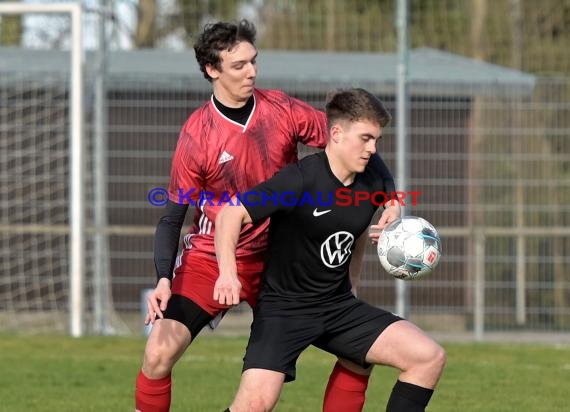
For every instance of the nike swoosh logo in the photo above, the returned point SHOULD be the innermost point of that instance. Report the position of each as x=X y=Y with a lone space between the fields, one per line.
x=316 y=213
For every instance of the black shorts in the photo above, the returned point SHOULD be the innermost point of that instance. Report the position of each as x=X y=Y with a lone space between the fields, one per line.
x=346 y=329
x=185 y=311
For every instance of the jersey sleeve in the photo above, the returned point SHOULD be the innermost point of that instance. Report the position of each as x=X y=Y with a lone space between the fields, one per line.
x=186 y=175
x=310 y=124
x=166 y=239
x=277 y=194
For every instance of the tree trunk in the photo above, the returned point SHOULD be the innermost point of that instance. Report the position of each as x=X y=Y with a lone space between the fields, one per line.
x=145 y=36
x=11 y=30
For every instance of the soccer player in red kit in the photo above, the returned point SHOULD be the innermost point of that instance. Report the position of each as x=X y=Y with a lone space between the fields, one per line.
x=239 y=138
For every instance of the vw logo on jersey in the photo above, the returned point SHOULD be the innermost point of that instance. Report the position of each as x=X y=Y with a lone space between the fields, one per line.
x=336 y=249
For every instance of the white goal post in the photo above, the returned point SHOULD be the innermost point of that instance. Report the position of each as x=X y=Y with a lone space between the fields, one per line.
x=76 y=153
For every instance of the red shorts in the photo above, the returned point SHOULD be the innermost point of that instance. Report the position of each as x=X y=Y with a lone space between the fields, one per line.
x=197 y=278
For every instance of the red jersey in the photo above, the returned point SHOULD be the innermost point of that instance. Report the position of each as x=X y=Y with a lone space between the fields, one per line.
x=217 y=157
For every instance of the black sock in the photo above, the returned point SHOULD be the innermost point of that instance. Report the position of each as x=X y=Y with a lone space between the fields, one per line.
x=407 y=397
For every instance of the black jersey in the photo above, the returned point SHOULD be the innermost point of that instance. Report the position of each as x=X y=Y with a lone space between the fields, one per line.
x=315 y=222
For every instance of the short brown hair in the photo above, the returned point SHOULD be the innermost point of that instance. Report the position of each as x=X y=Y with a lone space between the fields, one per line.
x=354 y=105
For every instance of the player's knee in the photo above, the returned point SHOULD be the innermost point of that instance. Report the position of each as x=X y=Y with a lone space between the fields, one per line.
x=252 y=402
x=257 y=403
x=437 y=358
x=157 y=363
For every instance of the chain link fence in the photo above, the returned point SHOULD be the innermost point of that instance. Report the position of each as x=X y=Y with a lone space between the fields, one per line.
x=489 y=149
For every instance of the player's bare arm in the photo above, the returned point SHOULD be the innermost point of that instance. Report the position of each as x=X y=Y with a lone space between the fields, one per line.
x=229 y=223
x=392 y=212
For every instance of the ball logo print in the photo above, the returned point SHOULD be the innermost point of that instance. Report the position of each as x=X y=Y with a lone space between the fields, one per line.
x=336 y=249
x=409 y=248
x=431 y=255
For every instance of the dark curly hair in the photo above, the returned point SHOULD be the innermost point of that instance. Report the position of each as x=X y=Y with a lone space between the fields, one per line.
x=218 y=37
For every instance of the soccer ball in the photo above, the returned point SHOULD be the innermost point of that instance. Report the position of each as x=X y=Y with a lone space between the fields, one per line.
x=409 y=248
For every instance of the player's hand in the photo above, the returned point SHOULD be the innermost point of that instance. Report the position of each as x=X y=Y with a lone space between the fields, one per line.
x=157 y=300
x=227 y=290
x=391 y=213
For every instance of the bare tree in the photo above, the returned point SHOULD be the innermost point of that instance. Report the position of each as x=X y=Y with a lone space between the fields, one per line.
x=146 y=33
x=11 y=30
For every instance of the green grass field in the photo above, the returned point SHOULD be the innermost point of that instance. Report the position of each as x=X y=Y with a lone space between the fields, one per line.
x=53 y=373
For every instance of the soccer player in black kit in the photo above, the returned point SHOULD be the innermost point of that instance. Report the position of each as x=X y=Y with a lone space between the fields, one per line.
x=306 y=296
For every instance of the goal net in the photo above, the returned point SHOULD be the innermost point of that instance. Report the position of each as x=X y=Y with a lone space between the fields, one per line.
x=45 y=278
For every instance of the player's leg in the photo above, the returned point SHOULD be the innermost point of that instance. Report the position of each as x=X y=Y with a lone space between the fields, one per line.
x=418 y=357
x=346 y=388
x=190 y=308
x=275 y=343
x=352 y=328
x=166 y=343
x=187 y=312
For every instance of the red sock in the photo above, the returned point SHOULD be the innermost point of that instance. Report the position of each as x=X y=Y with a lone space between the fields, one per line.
x=345 y=391
x=153 y=395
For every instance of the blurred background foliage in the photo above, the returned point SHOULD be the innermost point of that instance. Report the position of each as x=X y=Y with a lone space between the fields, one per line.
x=531 y=35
